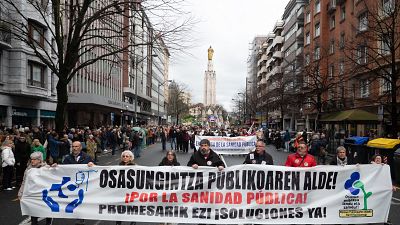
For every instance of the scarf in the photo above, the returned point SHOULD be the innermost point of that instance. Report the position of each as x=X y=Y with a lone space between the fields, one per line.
x=341 y=162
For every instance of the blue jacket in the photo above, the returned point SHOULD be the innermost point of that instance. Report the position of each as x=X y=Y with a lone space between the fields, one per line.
x=53 y=146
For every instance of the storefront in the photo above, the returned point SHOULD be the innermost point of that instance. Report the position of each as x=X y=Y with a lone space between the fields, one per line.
x=24 y=117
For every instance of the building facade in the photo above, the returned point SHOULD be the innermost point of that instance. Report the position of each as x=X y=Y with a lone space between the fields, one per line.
x=27 y=86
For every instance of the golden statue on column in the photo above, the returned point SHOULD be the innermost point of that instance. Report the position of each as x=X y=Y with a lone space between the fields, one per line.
x=210 y=53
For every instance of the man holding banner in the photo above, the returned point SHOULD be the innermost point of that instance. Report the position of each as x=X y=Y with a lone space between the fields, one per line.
x=259 y=156
x=205 y=157
x=301 y=158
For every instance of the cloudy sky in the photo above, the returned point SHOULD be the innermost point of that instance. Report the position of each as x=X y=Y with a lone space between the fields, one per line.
x=228 y=26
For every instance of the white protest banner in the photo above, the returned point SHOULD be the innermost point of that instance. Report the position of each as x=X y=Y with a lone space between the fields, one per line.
x=240 y=194
x=229 y=145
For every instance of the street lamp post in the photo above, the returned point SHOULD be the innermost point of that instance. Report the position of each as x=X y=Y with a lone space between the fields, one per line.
x=158 y=101
x=245 y=100
x=137 y=61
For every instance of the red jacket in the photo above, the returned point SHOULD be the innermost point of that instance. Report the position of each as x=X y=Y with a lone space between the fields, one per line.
x=295 y=160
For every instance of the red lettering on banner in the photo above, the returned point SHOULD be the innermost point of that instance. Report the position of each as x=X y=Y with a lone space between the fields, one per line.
x=141 y=197
x=213 y=197
x=276 y=198
x=171 y=198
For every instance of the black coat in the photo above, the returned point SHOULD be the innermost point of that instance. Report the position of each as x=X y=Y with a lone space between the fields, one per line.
x=212 y=160
x=83 y=159
x=22 y=152
x=334 y=161
x=255 y=158
x=166 y=162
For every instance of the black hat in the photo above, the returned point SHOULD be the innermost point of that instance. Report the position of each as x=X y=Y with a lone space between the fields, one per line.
x=205 y=141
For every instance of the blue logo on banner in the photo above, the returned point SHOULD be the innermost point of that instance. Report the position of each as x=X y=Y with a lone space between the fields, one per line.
x=81 y=178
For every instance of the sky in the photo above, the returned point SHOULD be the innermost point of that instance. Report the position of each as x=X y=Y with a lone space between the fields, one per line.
x=228 y=26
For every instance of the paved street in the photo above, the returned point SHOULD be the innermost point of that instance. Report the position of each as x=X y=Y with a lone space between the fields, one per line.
x=11 y=213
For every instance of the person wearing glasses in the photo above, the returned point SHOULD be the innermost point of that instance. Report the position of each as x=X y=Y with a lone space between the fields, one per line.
x=127 y=158
x=259 y=156
x=169 y=159
x=301 y=158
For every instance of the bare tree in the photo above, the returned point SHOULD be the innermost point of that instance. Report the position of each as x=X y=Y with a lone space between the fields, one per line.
x=178 y=104
x=238 y=106
x=374 y=53
x=321 y=84
x=81 y=33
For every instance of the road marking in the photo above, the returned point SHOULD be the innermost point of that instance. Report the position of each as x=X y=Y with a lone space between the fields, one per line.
x=395 y=201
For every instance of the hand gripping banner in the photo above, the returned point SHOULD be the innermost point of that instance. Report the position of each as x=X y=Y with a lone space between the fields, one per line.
x=239 y=194
x=229 y=145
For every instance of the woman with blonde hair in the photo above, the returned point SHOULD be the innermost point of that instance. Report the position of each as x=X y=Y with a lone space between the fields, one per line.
x=38 y=147
x=91 y=146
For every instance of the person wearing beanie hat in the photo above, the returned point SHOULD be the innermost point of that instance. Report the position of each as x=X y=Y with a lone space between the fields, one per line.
x=205 y=156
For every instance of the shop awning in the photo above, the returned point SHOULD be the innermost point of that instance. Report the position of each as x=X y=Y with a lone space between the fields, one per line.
x=349 y=115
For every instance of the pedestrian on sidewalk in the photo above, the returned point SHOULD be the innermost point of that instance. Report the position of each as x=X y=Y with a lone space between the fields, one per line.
x=36 y=161
x=8 y=162
x=163 y=137
x=286 y=139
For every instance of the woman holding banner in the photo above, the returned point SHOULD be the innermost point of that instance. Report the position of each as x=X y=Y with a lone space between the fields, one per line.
x=127 y=159
x=36 y=161
x=169 y=159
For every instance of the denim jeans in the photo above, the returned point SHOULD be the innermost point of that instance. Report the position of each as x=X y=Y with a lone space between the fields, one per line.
x=173 y=144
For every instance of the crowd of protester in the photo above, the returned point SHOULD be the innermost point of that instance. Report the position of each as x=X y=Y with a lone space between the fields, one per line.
x=24 y=148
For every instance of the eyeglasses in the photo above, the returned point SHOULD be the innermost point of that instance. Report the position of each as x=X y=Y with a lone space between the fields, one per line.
x=170 y=154
x=126 y=156
x=260 y=146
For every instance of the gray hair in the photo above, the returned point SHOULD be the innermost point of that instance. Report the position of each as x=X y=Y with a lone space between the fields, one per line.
x=340 y=148
x=37 y=155
x=128 y=152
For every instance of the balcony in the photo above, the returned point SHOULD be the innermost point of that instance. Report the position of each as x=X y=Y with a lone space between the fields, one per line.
x=269 y=62
x=263 y=81
x=300 y=13
x=299 y=52
x=263 y=58
x=277 y=55
x=300 y=34
x=5 y=36
x=261 y=71
x=277 y=40
x=276 y=70
x=264 y=45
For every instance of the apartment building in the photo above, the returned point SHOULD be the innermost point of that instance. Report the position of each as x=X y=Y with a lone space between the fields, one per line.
x=292 y=64
x=27 y=86
x=351 y=59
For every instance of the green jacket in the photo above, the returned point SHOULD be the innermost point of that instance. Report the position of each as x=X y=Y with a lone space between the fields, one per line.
x=41 y=149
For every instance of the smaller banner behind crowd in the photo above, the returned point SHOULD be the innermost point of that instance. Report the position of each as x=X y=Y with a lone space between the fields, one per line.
x=229 y=145
x=237 y=195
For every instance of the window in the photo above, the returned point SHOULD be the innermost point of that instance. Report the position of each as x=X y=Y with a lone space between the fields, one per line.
x=341 y=41
x=385 y=44
x=317 y=31
x=362 y=54
x=342 y=13
x=308 y=38
x=341 y=67
x=308 y=103
x=53 y=83
x=385 y=86
x=317 y=53
x=317 y=6
x=364 y=88
x=363 y=21
x=36 y=34
x=307 y=59
x=308 y=17
x=36 y=74
x=331 y=71
x=332 y=22
x=1 y=66
x=387 y=7
x=332 y=47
